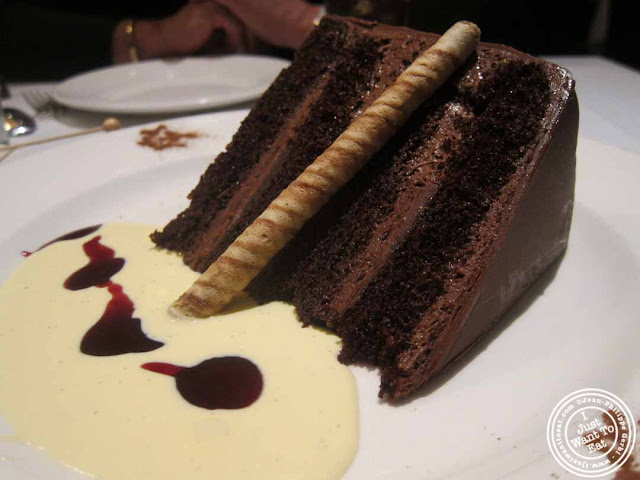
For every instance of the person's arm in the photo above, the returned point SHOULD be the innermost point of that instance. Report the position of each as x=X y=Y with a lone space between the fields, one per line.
x=180 y=34
x=283 y=23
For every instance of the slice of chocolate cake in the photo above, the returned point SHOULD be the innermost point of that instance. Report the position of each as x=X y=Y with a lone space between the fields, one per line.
x=442 y=230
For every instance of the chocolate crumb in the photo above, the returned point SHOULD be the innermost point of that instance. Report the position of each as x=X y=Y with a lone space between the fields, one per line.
x=629 y=471
x=161 y=138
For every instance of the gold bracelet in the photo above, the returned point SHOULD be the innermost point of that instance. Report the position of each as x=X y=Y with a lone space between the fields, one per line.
x=131 y=41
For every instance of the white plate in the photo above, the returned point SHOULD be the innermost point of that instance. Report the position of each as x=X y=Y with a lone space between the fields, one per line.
x=486 y=418
x=168 y=86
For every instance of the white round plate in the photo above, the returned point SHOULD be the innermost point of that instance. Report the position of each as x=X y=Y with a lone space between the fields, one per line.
x=577 y=327
x=169 y=86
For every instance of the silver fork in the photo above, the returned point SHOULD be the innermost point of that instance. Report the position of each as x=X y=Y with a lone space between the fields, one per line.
x=42 y=104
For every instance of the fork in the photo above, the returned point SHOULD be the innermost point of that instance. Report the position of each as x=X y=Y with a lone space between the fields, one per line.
x=42 y=104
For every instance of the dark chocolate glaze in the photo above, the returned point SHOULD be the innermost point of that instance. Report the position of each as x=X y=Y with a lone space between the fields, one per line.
x=535 y=237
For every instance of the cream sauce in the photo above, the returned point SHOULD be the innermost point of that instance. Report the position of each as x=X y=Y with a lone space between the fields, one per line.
x=110 y=418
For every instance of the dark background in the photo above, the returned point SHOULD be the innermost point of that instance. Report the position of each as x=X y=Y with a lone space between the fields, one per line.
x=44 y=40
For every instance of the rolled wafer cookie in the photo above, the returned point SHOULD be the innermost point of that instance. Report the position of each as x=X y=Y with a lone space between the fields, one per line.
x=275 y=227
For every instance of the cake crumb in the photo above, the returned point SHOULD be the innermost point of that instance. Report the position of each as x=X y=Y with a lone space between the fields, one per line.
x=630 y=470
x=161 y=138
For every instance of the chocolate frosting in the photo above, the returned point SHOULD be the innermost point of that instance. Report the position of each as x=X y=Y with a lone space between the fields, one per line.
x=330 y=268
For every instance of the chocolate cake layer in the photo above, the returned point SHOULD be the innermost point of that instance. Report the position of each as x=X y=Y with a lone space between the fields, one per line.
x=335 y=75
x=407 y=262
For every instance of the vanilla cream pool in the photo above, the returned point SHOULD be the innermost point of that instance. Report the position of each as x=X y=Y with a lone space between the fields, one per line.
x=109 y=417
